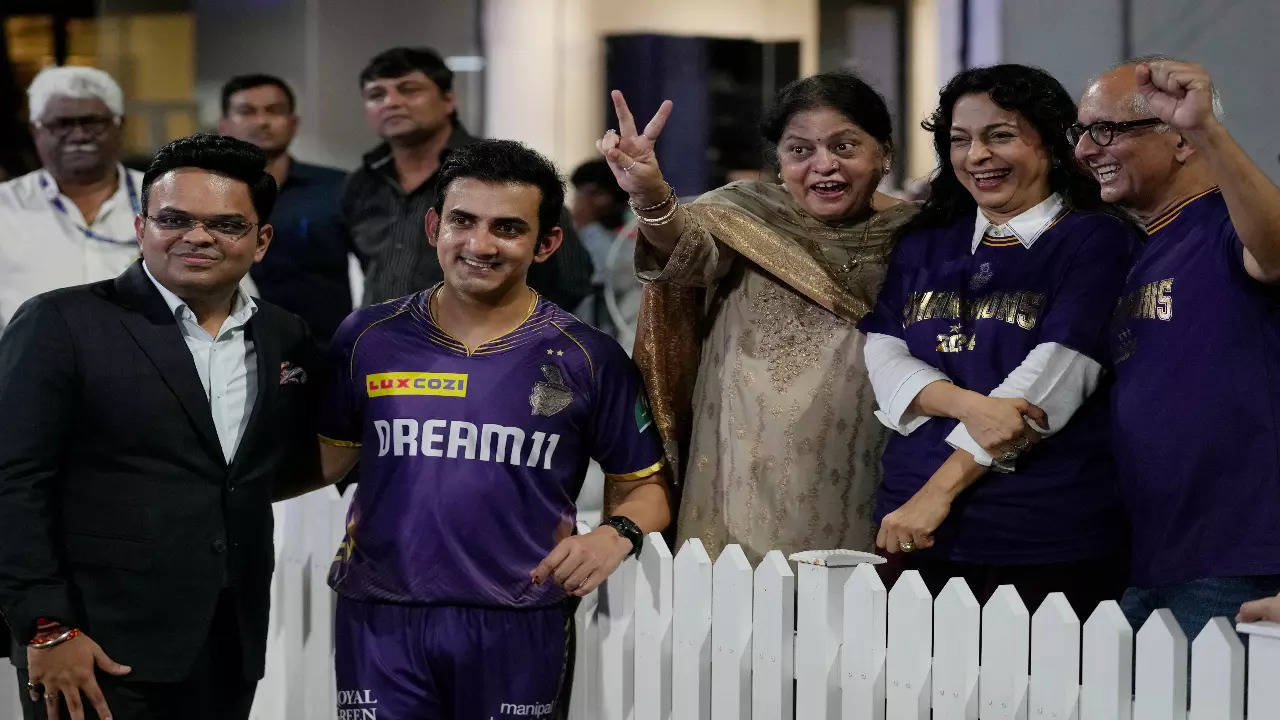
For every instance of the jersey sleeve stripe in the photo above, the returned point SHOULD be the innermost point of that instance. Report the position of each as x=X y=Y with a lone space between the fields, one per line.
x=590 y=365
x=637 y=475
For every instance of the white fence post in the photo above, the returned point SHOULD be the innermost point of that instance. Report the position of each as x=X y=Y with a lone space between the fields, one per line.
x=1006 y=640
x=1055 y=660
x=863 y=655
x=1107 y=676
x=732 y=580
x=773 y=640
x=956 y=630
x=691 y=628
x=317 y=651
x=616 y=617
x=1160 y=682
x=653 y=630
x=819 y=627
x=1264 y=669
x=584 y=698
x=908 y=657
x=1217 y=673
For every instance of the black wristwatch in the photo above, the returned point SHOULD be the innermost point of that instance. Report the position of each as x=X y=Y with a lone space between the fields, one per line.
x=627 y=529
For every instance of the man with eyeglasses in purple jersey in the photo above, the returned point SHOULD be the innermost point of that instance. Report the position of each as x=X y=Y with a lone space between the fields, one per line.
x=474 y=407
x=1195 y=342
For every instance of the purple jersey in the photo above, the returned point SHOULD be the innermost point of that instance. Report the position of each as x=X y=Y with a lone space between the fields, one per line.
x=470 y=463
x=975 y=316
x=1197 y=403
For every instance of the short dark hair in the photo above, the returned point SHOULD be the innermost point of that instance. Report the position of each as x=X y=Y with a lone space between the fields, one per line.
x=840 y=90
x=400 y=61
x=506 y=161
x=1042 y=101
x=220 y=154
x=245 y=82
x=597 y=172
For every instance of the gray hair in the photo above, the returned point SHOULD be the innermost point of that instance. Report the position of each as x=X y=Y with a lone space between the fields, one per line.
x=1138 y=103
x=73 y=82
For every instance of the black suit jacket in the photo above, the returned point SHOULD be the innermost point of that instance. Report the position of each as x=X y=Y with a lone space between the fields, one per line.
x=118 y=512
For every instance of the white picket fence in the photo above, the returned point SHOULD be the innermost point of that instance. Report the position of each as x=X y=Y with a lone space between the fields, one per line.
x=685 y=639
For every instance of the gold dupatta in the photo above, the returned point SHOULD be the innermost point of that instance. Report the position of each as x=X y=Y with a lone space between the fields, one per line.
x=840 y=268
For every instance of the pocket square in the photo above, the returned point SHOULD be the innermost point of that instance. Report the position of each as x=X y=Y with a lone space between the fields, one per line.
x=290 y=373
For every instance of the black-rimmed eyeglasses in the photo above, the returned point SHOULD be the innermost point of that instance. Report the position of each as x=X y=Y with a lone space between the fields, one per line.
x=93 y=125
x=1104 y=132
x=228 y=229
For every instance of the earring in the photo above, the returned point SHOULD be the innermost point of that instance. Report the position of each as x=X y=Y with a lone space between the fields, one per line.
x=779 y=176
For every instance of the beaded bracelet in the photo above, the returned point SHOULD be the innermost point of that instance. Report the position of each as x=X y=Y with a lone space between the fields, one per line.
x=66 y=635
x=671 y=195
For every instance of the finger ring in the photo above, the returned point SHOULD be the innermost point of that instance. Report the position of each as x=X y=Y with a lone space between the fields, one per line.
x=906 y=546
x=627 y=169
x=35 y=687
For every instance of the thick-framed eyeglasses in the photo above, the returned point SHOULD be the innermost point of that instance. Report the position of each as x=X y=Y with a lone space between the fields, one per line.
x=1104 y=132
x=227 y=229
x=93 y=125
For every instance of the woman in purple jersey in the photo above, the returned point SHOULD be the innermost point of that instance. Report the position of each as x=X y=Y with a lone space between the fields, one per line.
x=986 y=352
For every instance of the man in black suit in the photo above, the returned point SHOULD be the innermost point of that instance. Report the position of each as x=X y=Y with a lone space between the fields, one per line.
x=146 y=423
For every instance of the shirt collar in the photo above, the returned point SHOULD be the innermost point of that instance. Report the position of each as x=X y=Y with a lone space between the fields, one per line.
x=243 y=307
x=380 y=157
x=49 y=185
x=1027 y=226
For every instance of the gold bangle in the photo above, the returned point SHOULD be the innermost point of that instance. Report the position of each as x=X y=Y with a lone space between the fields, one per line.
x=661 y=220
x=671 y=195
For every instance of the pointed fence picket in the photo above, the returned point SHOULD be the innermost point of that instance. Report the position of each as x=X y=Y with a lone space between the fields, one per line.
x=1160 y=677
x=956 y=632
x=681 y=638
x=862 y=658
x=653 y=630
x=909 y=657
x=1106 y=691
x=691 y=624
x=773 y=640
x=1055 y=661
x=1006 y=644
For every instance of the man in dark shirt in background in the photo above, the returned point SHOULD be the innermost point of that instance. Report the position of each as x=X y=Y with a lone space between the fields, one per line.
x=410 y=104
x=305 y=271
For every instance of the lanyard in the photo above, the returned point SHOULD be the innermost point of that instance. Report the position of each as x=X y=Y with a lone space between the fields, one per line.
x=55 y=200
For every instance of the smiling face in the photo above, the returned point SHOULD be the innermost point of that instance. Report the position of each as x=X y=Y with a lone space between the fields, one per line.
x=78 y=139
x=998 y=157
x=206 y=259
x=1136 y=169
x=486 y=237
x=830 y=165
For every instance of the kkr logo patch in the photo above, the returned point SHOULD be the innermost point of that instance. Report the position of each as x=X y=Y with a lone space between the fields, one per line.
x=416 y=383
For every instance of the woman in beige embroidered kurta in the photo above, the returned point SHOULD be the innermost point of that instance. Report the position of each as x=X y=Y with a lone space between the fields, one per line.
x=758 y=383
x=784 y=450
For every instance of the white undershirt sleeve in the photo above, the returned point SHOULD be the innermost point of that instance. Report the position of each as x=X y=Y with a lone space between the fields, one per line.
x=897 y=377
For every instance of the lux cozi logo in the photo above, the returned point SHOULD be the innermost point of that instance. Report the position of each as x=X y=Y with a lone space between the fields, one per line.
x=416 y=383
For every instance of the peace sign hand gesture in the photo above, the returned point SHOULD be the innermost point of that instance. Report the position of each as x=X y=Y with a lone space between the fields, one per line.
x=630 y=154
x=1181 y=94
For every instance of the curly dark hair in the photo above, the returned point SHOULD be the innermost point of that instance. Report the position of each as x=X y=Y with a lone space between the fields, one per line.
x=1039 y=98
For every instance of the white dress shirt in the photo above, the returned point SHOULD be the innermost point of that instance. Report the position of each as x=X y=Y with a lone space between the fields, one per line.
x=1053 y=377
x=45 y=243
x=227 y=363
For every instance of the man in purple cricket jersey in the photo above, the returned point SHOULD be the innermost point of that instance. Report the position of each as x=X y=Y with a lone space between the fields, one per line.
x=474 y=408
x=1196 y=342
